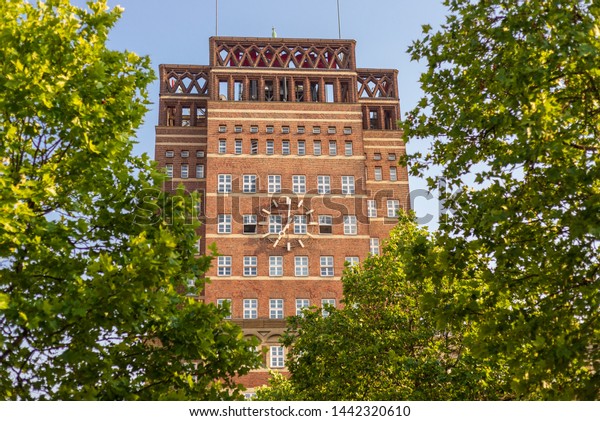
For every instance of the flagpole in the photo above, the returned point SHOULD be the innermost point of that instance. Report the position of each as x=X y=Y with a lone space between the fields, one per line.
x=339 y=20
x=216 y=17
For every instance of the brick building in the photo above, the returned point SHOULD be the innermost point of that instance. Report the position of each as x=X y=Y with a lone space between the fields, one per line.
x=294 y=152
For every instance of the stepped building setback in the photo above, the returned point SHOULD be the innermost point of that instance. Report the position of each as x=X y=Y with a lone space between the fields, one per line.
x=294 y=152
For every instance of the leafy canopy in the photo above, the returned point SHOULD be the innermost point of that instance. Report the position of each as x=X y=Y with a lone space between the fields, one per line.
x=512 y=103
x=93 y=257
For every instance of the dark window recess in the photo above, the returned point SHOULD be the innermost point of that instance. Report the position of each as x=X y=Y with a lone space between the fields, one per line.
x=314 y=91
x=269 y=95
x=254 y=90
x=299 y=91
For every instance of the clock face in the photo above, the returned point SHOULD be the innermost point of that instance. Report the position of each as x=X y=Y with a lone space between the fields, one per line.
x=287 y=223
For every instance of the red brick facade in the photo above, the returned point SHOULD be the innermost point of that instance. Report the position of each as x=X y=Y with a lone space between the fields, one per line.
x=295 y=153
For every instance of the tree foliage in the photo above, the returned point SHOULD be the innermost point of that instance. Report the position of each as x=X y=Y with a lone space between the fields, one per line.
x=385 y=344
x=512 y=102
x=93 y=257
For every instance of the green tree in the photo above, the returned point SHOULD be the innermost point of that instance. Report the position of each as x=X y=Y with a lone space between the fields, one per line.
x=383 y=344
x=512 y=103
x=93 y=257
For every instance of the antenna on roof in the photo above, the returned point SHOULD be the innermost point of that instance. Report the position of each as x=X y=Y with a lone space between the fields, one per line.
x=273 y=33
x=339 y=20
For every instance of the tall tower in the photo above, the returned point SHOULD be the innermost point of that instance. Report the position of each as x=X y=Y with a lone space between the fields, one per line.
x=295 y=154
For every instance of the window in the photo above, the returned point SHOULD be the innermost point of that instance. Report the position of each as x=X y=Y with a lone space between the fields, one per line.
x=224 y=183
x=199 y=171
x=277 y=357
x=185 y=170
x=316 y=130
x=186 y=116
x=171 y=115
x=254 y=90
x=222 y=146
x=249 y=183
x=300 y=224
x=169 y=154
x=301 y=304
x=378 y=174
x=285 y=147
x=285 y=129
x=327 y=302
x=332 y=148
x=185 y=154
x=352 y=261
x=223 y=90
x=299 y=89
x=224 y=265
x=371 y=209
x=317 y=147
x=274 y=183
x=237 y=147
x=253 y=147
x=299 y=183
x=373 y=120
x=237 y=129
x=224 y=224
x=250 y=223
x=270 y=147
x=391 y=157
x=225 y=303
x=323 y=184
x=253 y=129
x=347 y=184
x=392 y=208
x=276 y=308
x=325 y=224
x=200 y=116
x=348 y=148
x=301 y=129
x=270 y=129
x=169 y=169
x=347 y=130
x=250 y=308
x=326 y=265
x=331 y=130
x=222 y=129
x=250 y=263
x=276 y=265
x=376 y=157
x=329 y=97
x=393 y=174
x=350 y=227
x=301 y=148
x=275 y=224
x=301 y=265
x=199 y=154
x=374 y=246
x=269 y=96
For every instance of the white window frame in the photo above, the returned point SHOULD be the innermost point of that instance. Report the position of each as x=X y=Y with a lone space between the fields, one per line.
x=348 y=184
x=250 y=223
x=254 y=147
x=393 y=206
x=222 y=146
x=324 y=302
x=276 y=308
x=301 y=148
x=224 y=183
x=276 y=357
x=275 y=265
x=374 y=246
x=269 y=129
x=275 y=224
x=348 y=148
x=224 y=223
x=285 y=147
x=301 y=129
x=323 y=184
x=371 y=208
x=185 y=171
x=299 y=184
x=169 y=170
x=199 y=170
x=250 y=265
x=352 y=260
x=350 y=225
x=301 y=304
x=301 y=265
x=393 y=174
x=317 y=150
x=325 y=221
x=300 y=224
x=238 y=147
x=332 y=148
x=274 y=183
x=377 y=174
x=250 y=306
x=223 y=265
x=221 y=301
x=249 y=183
x=327 y=268
x=270 y=147
x=169 y=154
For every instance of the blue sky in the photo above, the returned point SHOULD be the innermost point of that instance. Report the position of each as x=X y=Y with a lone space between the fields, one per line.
x=177 y=32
